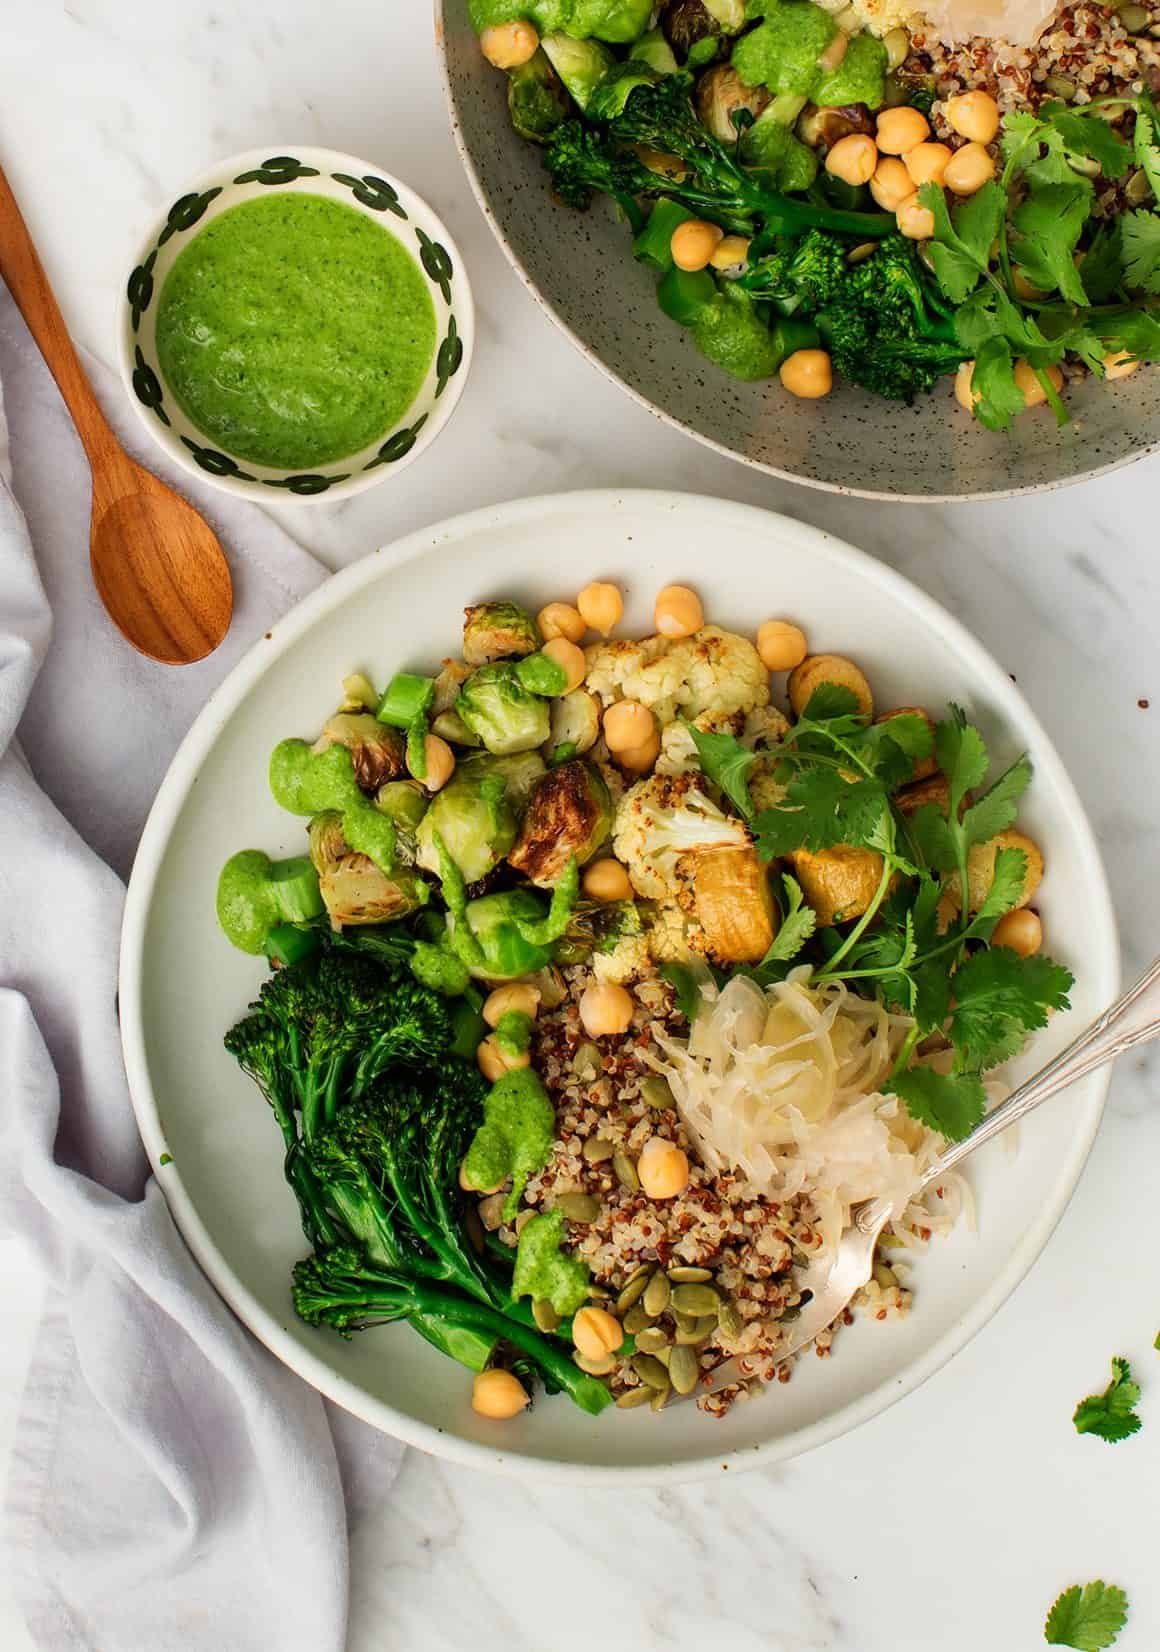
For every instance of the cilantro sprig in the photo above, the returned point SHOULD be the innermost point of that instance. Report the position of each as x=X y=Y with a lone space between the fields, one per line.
x=839 y=775
x=1112 y=1414
x=1088 y=1617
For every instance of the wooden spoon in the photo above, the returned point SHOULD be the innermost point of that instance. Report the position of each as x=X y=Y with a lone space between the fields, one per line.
x=157 y=565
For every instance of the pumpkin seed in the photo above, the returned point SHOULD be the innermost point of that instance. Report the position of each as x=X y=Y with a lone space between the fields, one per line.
x=656 y=1295
x=663 y=1355
x=731 y=1319
x=656 y=1092
x=685 y=1322
x=632 y=1397
x=545 y=1315
x=684 y=1369
x=696 y=1299
x=633 y=1290
x=625 y=1172
x=491 y=1211
x=1135 y=18
x=884 y=1276
x=637 y=1319
x=596 y=1367
x=859 y=254
x=650 y=1370
x=599 y=1293
x=689 y=1276
x=699 y=1331
x=660 y=1396
x=1063 y=86
x=579 y=1207
x=652 y=1339
x=1138 y=189
x=588 y=1063
x=897 y=43
x=597 y=1149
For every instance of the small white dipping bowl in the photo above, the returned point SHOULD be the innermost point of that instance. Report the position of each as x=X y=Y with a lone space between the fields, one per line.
x=369 y=190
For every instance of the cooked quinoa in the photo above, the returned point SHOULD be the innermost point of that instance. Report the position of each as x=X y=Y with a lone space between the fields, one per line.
x=751 y=1245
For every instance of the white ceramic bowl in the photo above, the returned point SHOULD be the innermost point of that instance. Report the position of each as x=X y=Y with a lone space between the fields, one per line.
x=579 y=267
x=402 y=608
x=378 y=195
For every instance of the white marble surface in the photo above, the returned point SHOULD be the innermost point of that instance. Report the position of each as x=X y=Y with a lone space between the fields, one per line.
x=952 y=1521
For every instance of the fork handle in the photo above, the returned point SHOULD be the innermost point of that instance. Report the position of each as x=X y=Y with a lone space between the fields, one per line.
x=1133 y=1019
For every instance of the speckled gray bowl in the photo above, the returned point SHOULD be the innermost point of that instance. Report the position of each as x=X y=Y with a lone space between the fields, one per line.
x=578 y=266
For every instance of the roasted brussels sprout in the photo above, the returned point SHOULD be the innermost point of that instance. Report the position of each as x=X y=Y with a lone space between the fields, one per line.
x=720 y=95
x=580 y=64
x=497 y=631
x=569 y=815
x=821 y=127
x=652 y=48
x=499 y=709
x=404 y=801
x=354 y=889
x=575 y=722
x=452 y=676
x=689 y=23
x=521 y=773
x=537 y=100
x=377 y=752
x=475 y=819
x=498 y=924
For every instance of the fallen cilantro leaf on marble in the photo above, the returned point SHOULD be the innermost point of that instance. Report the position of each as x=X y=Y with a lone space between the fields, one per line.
x=1112 y=1414
x=1087 y=1618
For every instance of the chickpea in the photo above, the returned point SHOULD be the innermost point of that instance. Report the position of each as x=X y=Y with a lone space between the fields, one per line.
x=663 y=1168
x=853 y=159
x=781 y=645
x=596 y=1332
x=694 y=243
x=915 y=221
x=560 y=619
x=1034 y=395
x=1119 y=366
x=494 y=1062
x=440 y=763
x=973 y=115
x=499 y=1395
x=639 y=759
x=968 y=169
x=964 y=386
x=730 y=250
x=927 y=162
x=628 y=724
x=1021 y=931
x=520 y=996
x=807 y=373
x=900 y=130
x=607 y=880
x=678 y=612
x=601 y=606
x=1025 y=288
x=508 y=45
x=605 y=1009
x=891 y=183
x=567 y=654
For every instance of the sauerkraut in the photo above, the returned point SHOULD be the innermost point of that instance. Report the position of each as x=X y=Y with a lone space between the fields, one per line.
x=782 y=1086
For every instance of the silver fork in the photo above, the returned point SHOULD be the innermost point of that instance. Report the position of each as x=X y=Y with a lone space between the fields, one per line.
x=1133 y=1019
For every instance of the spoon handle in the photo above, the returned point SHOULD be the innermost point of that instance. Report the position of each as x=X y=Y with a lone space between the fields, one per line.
x=1133 y=1019
x=23 y=275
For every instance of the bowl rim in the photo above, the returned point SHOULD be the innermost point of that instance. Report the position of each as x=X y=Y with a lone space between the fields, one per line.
x=170 y=800
x=975 y=496
x=221 y=174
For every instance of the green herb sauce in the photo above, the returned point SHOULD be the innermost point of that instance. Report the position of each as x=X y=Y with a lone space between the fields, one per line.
x=294 y=331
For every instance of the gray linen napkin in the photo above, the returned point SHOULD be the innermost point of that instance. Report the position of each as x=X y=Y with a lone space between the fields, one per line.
x=172 y=1485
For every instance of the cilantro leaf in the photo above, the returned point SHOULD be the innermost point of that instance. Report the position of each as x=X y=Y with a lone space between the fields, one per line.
x=951 y=1103
x=1000 y=997
x=1103 y=264
x=797 y=925
x=998 y=399
x=1007 y=879
x=1132 y=331
x=930 y=831
x=1047 y=226
x=1146 y=142
x=1088 y=1618
x=820 y=810
x=960 y=251
x=830 y=701
x=1112 y=1414
x=961 y=755
x=726 y=762
x=1140 y=232
x=996 y=809
x=686 y=987
x=1090 y=136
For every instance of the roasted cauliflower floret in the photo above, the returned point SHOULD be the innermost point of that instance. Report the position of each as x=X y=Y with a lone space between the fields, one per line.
x=678 y=753
x=711 y=671
x=628 y=960
x=765 y=726
x=668 y=940
x=659 y=820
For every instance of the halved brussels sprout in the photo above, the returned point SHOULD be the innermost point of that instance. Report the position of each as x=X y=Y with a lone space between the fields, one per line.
x=500 y=710
x=580 y=64
x=537 y=100
x=498 y=631
x=475 y=819
x=377 y=752
x=355 y=890
x=575 y=722
x=569 y=815
x=720 y=95
x=521 y=773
